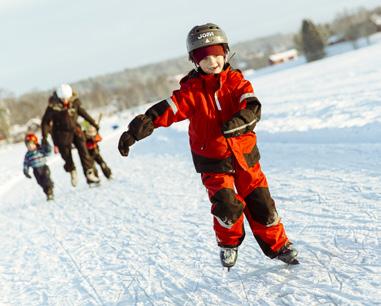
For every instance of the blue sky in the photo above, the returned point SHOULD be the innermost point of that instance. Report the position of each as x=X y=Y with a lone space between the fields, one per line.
x=46 y=42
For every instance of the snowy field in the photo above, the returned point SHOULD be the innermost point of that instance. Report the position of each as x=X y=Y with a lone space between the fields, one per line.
x=146 y=238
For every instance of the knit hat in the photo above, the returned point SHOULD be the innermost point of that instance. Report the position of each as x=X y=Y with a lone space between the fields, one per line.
x=200 y=53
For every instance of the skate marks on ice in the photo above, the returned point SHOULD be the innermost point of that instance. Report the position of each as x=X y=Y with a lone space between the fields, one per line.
x=335 y=219
x=147 y=239
x=45 y=267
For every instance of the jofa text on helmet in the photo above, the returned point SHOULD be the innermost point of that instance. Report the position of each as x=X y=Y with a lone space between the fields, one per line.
x=207 y=34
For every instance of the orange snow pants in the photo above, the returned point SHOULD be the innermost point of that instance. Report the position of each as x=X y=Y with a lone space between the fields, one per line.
x=245 y=190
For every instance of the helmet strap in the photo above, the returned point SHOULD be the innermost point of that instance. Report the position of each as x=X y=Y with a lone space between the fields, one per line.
x=229 y=57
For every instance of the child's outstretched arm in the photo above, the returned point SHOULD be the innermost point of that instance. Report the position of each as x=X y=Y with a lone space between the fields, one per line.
x=26 y=168
x=163 y=113
x=140 y=127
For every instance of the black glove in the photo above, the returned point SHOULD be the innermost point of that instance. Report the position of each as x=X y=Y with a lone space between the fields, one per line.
x=126 y=140
x=241 y=123
x=141 y=127
x=26 y=173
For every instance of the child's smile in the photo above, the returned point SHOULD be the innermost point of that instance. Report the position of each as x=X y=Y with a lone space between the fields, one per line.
x=212 y=64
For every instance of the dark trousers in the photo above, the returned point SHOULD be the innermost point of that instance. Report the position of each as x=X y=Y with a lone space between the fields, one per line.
x=96 y=155
x=80 y=143
x=245 y=191
x=42 y=175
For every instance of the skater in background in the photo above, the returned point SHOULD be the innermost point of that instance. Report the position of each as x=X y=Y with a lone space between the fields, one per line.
x=60 y=119
x=223 y=111
x=92 y=139
x=35 y=158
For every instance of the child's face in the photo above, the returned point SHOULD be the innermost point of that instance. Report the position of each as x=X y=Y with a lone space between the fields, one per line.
x=31 y=146
x=212 y=64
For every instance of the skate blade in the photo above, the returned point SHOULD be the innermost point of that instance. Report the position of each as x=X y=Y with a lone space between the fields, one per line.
x=294 y=262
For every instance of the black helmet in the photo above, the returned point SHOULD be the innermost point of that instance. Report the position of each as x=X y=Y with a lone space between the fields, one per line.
x=206 y=35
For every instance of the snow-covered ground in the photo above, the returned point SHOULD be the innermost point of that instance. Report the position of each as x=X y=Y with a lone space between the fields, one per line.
x=145 y=237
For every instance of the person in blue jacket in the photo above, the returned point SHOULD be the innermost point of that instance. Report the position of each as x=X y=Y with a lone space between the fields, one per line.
x=35 y=158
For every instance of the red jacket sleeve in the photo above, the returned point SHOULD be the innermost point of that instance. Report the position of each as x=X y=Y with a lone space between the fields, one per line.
x=174 y=109
x=249 y=107
x=244 y=92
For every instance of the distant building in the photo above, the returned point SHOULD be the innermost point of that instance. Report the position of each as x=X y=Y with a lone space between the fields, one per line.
x=282 y=57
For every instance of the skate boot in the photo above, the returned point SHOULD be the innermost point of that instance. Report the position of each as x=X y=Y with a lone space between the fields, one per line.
x=106 y=170
x=73 y=177
x=228 y=257
x=288 y=254
x=92 y=178
x=49 y=195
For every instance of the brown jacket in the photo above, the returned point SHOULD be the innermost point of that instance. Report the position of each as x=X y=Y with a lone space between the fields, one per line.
x=61 y=120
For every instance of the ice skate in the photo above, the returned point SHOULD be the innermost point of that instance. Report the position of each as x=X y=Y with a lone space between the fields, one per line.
x=228 y=257
x=49 y=195
x=73 y=177
x=91 y=177
x=288 y=254
x=106 y=170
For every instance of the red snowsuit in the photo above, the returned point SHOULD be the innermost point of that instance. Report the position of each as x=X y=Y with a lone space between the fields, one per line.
x=93 y=148
x=92 y=142
x=227 y=159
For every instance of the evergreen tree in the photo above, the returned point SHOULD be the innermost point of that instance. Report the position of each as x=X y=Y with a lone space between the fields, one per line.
x=312 y=42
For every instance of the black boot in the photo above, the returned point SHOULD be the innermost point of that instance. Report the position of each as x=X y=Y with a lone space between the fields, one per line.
x=106 y=170
x=288 y=254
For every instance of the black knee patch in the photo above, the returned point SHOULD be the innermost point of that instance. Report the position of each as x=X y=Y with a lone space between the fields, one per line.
x=262 y=207
x=226 y=206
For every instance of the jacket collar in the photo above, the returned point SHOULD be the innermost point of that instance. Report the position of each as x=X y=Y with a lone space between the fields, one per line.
x=210 y=79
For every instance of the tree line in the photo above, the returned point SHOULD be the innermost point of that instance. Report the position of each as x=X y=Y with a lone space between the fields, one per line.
x=19 y=110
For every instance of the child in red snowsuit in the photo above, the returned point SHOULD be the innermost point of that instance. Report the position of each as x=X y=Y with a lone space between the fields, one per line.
x=92 y=139
x=223 y=111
